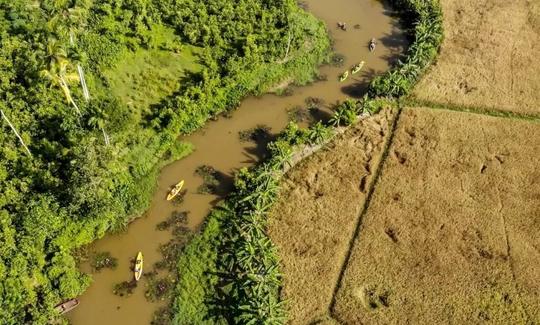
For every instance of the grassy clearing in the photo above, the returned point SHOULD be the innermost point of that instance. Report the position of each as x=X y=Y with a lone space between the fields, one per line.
x=449 y=234
x=316 y=214
x=489 y=56
x=144 y=77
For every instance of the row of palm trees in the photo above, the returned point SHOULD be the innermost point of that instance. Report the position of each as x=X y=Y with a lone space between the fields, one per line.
x=248 y=264
x=428 y=35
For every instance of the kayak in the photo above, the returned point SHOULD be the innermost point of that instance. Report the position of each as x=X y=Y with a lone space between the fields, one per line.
x=137 y=271
x=174 y=192
x=344 y=76
x=372 y=45
x=66 y=306
x=357 y=67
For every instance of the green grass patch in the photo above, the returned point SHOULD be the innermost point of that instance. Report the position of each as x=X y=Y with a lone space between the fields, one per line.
x=144 y=77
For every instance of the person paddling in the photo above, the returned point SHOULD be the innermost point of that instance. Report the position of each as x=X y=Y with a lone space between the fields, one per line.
x=341 y=25
x=372 y=45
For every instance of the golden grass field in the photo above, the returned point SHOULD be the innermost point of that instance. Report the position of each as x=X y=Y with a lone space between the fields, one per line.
x=451 y=232
x=313 y=243
x=489 y=58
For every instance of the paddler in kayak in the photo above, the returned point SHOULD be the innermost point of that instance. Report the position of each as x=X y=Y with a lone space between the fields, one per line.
x=357 y=67
x=176 y=189
x=344 y=76
x=372 y=45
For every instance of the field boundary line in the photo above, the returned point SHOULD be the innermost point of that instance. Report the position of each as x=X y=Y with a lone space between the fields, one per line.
x=489 y=111
x=510 y=259
x=360 y=218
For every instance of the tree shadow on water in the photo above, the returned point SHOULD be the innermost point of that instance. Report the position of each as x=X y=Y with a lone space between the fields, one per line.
x=260 y=138
x=361 y=82
x=322 y=114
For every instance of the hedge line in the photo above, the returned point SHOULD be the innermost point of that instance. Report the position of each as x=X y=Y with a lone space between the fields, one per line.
x=423 y=18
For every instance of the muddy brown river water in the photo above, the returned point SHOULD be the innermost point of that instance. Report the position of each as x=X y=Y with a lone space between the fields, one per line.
x=218 y=145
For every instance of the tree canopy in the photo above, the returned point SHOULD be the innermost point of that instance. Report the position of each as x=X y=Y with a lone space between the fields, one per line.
x=72 y=169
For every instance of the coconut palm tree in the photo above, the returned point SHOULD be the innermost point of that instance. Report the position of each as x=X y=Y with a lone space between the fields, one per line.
x=97 y=120
x=58 y=69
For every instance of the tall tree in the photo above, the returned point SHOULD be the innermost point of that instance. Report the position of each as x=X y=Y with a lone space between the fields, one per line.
x=58 y=67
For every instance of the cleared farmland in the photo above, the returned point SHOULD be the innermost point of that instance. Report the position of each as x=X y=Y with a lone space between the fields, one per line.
x=451 y=233
x=489 y=58
x=317 y=213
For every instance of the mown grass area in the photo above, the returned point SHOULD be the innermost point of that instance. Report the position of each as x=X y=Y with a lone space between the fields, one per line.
x=144 y=77
x=488 y=58
x=315 y=215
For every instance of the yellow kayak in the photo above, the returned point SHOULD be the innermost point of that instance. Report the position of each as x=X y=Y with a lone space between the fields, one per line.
x=174 y=192
x=344 y=76
x=137 y=271
x=357 y=67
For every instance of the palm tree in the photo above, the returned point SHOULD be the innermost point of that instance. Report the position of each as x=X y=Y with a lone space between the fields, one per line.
x=57 y=70
x=97 y=120
x=318 y=133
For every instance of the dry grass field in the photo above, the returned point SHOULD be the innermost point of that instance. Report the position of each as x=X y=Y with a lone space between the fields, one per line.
x=489 y=57
x=451 y=233
x=317 y=213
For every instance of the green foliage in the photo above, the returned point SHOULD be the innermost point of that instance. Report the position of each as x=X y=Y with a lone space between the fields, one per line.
x=94 y=164
x=229 y=273
x=103 y=260
x=346 y=113
x=425 y=19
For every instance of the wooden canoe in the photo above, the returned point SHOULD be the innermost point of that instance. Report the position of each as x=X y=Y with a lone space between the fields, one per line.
x=66 y=306
x=174 y=192
x=137 y=270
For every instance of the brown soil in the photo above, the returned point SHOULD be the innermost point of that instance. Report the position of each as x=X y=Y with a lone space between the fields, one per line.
x=489 y=57
x=317 y=212
x=451 y=232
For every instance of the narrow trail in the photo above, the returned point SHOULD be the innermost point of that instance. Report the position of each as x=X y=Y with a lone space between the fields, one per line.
x=490 y=111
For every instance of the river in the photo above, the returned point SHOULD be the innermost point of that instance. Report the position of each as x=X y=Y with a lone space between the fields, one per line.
x=218 y=145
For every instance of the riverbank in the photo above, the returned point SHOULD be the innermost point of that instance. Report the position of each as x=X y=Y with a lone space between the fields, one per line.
x=200 y=99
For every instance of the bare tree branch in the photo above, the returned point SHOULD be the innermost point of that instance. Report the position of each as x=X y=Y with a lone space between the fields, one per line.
x=16 y=133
